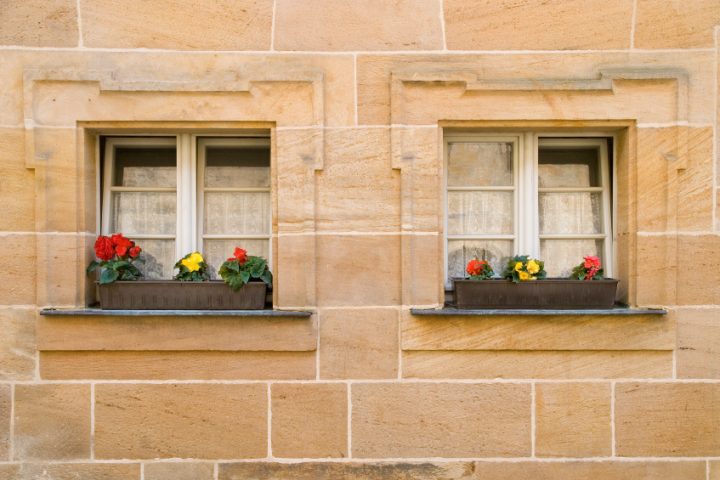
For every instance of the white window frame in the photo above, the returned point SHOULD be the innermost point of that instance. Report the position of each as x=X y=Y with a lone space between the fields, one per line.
x=526 y=215
x=190 y=164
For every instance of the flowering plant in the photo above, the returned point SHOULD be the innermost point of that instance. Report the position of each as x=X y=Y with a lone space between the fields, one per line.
x=237 y=270
x=192 y=268
x=522 y=268
x=116 y=255
x=479 y=269
x=590 y=269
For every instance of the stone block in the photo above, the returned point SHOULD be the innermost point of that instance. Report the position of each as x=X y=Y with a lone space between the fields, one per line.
x=657 y=270
x=667 y=419
x=5 y=409
x=178 y=471
x=537 y=364
x=696 y=254
x=309 y=421
x=357 y=190
x=187 y=365
x=294 y=274
x=17 y=343
x=714 y=470
x=573 y=420
x=422 y=270
x=187 y=25
x=698 y=350
x=17 y=254
x=602 y=470
x=52 y=422
x=347 y=471
x=18 y=193
x=345 y=25
x=662 y=24
x=76 y=471
x=695 y=187
x=440 y=420
x=180 y=421
x=358 y=270
x=39 y=23
x=358 y=344
x=545 y=25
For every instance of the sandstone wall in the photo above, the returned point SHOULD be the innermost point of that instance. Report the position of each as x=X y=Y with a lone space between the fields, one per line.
x=357 y=95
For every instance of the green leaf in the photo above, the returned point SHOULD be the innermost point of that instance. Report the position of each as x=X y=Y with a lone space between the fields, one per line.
x=267 y=277
x=108 y=276
x=93 y=266
x=245 y=276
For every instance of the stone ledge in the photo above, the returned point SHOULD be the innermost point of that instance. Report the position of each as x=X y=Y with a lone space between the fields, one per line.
x=487 y=312
x=96 y=312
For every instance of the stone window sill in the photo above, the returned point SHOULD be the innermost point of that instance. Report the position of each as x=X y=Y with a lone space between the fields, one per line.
x=616 y=311
x=97 y=312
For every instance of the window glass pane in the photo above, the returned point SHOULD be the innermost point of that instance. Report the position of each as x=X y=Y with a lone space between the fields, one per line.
x=570 y=213
x=145 y=167
x=569 y=167
x=237 y=213
x=562 y=255
x=217 y=251
x=480 y=164
x=460 y=252
x=480 y=213
x=159 y=258
x=235 y=167
x=148 y=213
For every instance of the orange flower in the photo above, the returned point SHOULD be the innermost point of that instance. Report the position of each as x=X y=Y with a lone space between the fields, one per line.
x=475 y=266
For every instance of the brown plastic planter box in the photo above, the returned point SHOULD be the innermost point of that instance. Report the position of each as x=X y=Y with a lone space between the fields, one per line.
x=552 y=293
x=174 y=295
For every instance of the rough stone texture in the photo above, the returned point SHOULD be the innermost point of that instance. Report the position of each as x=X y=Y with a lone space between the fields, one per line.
x=357 y=189
x=166 y=24
x=662 y=24
x=714 y=471
x=358 y=344
x=17 y=254
x=309 y=421
x=346 y=471
x=606 y=470
x=52 y=422
x=698 y=253
x=343 y=278
x=494 y=25
x=329 y=25
x=573 y=420
x=61 y=277
x=39 y=23
x=698 y=354
x=180 y=421
x=179 y=365
x=18 y=193
x=178 y=471
x=667 y=419
x=5 y=408
x=73 y=471
x=537 y=364
x=17 y=343
x=440 y=420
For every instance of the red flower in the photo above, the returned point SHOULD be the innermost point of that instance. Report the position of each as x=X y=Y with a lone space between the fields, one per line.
x=119 y=240
x=240 y=255
x=104 y=248
x=135 y=251
x=121 y=251
x=592 y=262
x=475 y=267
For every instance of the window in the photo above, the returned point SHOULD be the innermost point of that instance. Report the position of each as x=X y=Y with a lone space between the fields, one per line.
x=183 y=193
x=510 y=194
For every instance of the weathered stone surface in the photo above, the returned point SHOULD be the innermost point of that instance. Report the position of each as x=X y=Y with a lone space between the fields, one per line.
x=661 y=24
x=52 y=422
x=294 y=275
x=184 y=421
x=74 y=471
x=178 y=471
x=698 y=254
x=61 y=276
x=667 y=419
x=440 y=420
x=190 y=365
x=17 y=343
x=309 y=421
x=346 y=471
x=5 y=408
x=656 y=281
x=546 y=25
x=537 y=364
x=226 y=24
x=358 y=270
x=17 y=254
x=176 y=333
x=357 y=188
x=698 y=350
x=422 y=270
x=606 y=470
x=39 y=23
x=359 y=344
x=589 y=332
x=714 y=471
x=345 y=25
x=573 y=420
x=18 y=193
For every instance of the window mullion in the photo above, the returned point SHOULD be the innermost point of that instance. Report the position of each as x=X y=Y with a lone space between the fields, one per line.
x=186 y=194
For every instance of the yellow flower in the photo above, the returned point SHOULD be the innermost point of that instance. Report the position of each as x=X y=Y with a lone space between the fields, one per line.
x=524 y=276
x=533 y=267
x=518 y=266
x=192 y=263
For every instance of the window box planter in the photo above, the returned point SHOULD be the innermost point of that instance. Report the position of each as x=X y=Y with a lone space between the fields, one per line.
x=174 y=295
x=553 y=293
